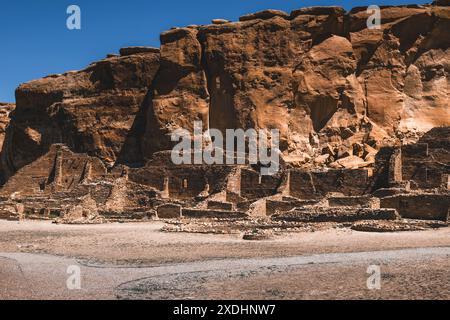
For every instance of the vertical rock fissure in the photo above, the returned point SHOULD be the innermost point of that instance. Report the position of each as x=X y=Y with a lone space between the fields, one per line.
x=222 y=111
x=204 y=66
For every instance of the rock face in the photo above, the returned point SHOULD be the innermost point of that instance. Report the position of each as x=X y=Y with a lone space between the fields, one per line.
x=335 y=89
x=5 y=110
x=94 y=111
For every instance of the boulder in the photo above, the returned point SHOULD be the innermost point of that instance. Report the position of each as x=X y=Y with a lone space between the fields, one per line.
x=351 y=162
x=220 y=21
x=318 y=11
x=128 y=51
x=264 y=15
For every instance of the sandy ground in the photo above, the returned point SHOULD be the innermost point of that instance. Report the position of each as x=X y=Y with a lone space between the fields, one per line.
x=137 y=261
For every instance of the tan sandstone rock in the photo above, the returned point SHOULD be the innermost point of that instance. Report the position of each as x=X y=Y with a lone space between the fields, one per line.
x=318 y=75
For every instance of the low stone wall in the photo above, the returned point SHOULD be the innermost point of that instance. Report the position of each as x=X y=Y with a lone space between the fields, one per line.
x=128 y=215
x=360 y=202
x=169 y=211
x=336 y=215
x=272 y=206
x=217 y=205
x=388 y=192
x=446 y=182
x=420 y=206
x=211 y=214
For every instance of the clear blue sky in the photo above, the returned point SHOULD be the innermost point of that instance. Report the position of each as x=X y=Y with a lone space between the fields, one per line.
x=35 y=42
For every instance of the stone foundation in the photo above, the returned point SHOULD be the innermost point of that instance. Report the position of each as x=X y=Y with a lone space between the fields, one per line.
x=360 y=202
x=274 y=206
x=169 y=211
x=336 y=215
x=217 y=205
x=212 y=214
x=420 y=206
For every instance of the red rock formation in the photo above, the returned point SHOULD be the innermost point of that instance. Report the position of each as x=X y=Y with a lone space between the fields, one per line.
x=317 y=74
x=5 y=110
x=92 y=111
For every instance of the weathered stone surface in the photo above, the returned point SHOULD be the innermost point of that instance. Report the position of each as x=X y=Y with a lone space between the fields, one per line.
x=92 y=111
x=361 y=202
x=212 y=214
x=258 y=235
x=5 y=110
x=266 y=14
x=318 y=11
x=180 y=94
x=336 y=215
x=128 y=51
x=274 y=206
x=350 y=162
x=220 y=205
x=317 y=184
x=318 y=75
x=255 y=186
x=424 y=164
x=169 y=211
x=441 y=3
x=220 y=21
x=85 y=211
x=404 y=66
x=420 y=206
x=326 y=85
x=397 y=226
x=58 y=170
x=352 y=106
x=181 y=181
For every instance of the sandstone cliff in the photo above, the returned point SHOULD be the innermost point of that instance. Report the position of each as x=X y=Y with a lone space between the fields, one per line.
x=333 y=88
x=5 y=110
x=91 y=111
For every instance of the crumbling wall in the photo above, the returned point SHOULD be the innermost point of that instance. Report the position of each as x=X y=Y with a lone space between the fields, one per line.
x=314 y=185
x=420 y=206
x=425 y=166
x=184 y=181
x=336 y=215
x=425 y=163
x=58 y=170
x=169 y=211
x=358 y=202
x=256 y=186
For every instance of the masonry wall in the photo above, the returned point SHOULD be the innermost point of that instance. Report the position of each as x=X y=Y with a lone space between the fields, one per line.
x=425 y=166
x=58 y=170
x=255 y=186
x=382 y=173
x=314 y=185
x=420 y=206
x=184 y=181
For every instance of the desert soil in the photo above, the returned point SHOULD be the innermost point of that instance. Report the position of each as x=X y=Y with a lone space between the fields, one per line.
x=138 y=261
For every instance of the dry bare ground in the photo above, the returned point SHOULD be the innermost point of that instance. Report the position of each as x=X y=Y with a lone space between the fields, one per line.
x=137 y=261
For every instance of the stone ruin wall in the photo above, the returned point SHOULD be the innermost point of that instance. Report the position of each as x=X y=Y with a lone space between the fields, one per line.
x=58 y=170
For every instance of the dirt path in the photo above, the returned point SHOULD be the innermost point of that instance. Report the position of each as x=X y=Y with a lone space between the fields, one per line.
x=136 y=261
x=36 y=276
